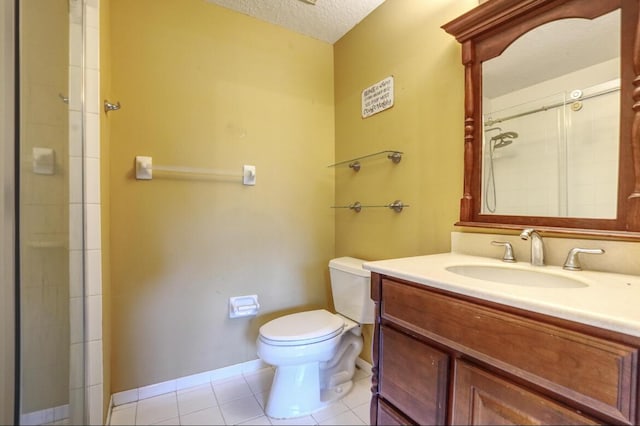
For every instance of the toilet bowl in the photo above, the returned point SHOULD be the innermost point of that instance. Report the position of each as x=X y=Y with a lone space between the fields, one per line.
x=314 y=352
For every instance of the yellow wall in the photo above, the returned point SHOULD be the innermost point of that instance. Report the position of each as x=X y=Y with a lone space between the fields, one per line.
x=403 y=39
x=202 y=86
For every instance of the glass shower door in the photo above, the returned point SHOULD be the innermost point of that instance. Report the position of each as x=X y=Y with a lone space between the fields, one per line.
x=51 y=351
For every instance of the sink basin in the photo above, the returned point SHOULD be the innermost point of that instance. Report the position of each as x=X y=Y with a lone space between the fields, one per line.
x=516 y=276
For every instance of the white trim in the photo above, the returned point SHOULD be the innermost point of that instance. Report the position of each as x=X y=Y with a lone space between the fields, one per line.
x=48 y=415
x=185 y=382
x=109 y=409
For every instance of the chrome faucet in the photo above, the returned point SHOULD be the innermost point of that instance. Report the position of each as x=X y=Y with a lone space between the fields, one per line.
x=537 y=247
x=573 y=261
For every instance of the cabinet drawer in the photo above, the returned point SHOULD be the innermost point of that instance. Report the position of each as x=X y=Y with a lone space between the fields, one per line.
x=588 y=370
x=482 y=398
x=414 y=377
x=387 y=416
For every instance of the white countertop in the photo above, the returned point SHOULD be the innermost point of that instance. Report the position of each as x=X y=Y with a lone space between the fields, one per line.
x=609 y=301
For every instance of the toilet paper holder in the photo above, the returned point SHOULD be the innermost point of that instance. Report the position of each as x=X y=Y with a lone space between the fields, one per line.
x=243 y=306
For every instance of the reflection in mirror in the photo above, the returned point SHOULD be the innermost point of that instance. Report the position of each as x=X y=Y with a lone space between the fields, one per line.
x=551 y=111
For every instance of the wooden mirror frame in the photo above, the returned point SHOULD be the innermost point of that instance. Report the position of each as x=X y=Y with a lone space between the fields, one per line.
x=485 y=32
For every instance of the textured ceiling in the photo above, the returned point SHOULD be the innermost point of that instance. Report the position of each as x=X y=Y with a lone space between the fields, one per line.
x=327 y=20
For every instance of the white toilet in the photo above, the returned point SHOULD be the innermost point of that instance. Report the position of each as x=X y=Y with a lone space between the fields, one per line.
x=314 y=352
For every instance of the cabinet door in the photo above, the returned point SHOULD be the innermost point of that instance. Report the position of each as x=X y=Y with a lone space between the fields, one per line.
x=387 y=416
x=413 y=377
x=482 y=398
x=591 y=371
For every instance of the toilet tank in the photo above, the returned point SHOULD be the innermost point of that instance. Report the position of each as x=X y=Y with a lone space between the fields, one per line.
x=351 y=289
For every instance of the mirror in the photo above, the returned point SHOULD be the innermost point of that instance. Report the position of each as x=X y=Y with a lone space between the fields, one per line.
x=552 y=140
x=551 y=108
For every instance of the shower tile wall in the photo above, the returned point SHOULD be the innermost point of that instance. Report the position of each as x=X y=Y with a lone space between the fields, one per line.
x=92 y=250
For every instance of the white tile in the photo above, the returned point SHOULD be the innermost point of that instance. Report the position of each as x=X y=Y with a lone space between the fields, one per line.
x=92 y=57
x=173 y=421
x=331 y=410
x=76 y=320
x=363 y=412
x=359 y=394
x=76 y=379
x=75 y=274
x=75 y=45
x=75 y=180
x=306 y=420
x=76 y=406
x=231 y=389
x=92 y=134
x=241 y=410
x=92 y=91
x=94 y=373
x=196 y=400
x=61 y=412
x=92 y=180
x=260 y=381
x=92 y=16
x=125 y=397
x=75 y=134
x=75 y=11
x=94 y=272
x=157 y=389
x=95 y=404
x=156 y=409
x=93 y=237
x=209 y=416
x=258 y=421
x=75 y=227
x=75 y=88
x=94 y=317
x=346 y=418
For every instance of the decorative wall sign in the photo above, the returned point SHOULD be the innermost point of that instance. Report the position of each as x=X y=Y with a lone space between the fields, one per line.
x=378 y=97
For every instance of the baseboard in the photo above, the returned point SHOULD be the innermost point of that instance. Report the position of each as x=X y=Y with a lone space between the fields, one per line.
x=363 y=365
x=150 y=391
x=48 y=415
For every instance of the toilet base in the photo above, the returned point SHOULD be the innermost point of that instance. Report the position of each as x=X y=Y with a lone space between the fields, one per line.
x=300 y=390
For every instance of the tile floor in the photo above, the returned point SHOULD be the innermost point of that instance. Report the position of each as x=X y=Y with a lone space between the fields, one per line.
x=239 y=400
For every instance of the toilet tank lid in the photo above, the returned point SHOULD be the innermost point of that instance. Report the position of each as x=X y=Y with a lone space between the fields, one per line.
x=350 y=265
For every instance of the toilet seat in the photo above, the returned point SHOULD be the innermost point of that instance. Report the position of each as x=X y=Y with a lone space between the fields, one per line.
x=302 y=328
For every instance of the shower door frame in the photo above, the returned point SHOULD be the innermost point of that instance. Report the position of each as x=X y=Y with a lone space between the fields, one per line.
x=8 y=220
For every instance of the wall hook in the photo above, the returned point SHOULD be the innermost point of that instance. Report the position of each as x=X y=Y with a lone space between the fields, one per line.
x=108 y=106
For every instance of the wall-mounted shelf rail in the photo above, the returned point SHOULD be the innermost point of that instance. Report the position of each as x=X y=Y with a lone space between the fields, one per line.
x=145 y=167
x=354 y=163
x=356 y=206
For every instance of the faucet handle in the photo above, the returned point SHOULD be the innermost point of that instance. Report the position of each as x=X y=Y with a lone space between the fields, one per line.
x=573 y=261
x=508 y=250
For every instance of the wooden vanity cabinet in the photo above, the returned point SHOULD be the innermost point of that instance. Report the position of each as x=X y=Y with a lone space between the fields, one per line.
x=442 y=358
